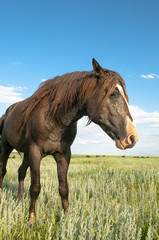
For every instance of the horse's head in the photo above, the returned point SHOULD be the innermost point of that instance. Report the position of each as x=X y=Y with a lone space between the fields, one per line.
x=108 y=107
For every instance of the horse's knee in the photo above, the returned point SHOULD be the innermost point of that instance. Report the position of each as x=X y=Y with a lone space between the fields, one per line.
x=63 y=190
x=35 y=190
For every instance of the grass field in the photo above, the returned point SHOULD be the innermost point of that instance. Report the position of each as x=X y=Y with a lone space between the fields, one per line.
x=111 y=197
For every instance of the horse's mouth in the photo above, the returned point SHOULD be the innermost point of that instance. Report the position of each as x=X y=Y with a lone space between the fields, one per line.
x=128 y=142
x=120 y=145
x=112 y=134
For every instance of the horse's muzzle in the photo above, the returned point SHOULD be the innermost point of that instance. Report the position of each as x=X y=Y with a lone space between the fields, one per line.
x=130 y=140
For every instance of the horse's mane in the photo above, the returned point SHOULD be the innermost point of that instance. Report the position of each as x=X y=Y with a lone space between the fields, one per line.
x=72 y=89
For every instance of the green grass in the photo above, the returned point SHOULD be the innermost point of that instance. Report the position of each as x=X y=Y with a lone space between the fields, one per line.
x=111 y=197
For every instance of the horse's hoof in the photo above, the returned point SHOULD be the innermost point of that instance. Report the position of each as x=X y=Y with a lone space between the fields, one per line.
x=31 y=219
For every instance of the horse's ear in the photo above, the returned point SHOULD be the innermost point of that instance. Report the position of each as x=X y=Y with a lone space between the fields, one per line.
x=97 y=68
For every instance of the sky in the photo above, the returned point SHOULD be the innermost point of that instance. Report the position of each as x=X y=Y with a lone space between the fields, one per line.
x=42 y=39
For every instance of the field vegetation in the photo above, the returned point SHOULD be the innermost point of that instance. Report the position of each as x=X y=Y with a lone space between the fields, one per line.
x=111 y=197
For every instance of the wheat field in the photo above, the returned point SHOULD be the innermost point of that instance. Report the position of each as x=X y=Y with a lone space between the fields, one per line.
x=111 y=197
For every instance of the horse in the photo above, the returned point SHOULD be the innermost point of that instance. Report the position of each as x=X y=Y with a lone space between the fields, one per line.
x=46 y=123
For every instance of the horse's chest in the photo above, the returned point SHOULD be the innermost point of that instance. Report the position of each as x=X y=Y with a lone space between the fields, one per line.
x=50 y=143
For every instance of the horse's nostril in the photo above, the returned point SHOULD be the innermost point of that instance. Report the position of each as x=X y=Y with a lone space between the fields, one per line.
x=132 y=138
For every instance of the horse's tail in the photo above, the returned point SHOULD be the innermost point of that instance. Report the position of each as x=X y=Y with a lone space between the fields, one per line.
x=2 y=119
x=1 y=123
x=1 y=129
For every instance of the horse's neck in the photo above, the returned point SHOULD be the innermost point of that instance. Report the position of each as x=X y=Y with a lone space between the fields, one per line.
x=71 y=116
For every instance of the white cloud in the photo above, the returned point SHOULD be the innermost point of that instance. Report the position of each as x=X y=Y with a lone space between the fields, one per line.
x=142 y=117
x=20 y=88
x=14 y=63
x=9 y=95
x=43 y=80
x=155 y=125
x=150 y=76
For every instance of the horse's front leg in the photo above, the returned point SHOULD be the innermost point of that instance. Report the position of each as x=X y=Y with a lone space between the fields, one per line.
x=63 y=161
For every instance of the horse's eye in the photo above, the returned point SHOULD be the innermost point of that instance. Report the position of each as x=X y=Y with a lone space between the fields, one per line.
x=113 y=94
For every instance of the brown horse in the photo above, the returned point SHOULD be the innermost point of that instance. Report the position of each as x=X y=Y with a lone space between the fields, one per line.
x=46 y=122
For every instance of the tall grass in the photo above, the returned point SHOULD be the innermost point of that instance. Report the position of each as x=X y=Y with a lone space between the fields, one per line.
x=110 y=198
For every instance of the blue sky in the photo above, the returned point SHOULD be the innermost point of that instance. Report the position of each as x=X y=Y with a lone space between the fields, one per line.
x=43 y=39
